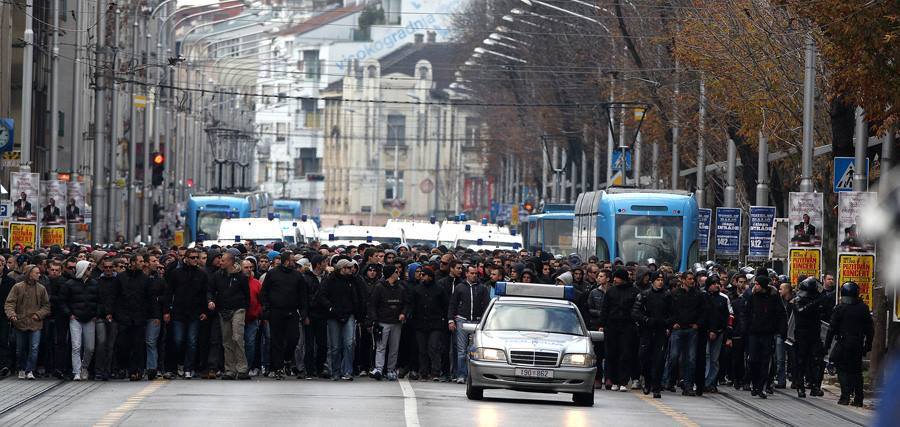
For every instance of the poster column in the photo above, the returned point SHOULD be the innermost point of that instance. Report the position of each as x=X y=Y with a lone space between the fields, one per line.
x=762 y=219
x=728 y=233
x=805 y=218
x=52 y=215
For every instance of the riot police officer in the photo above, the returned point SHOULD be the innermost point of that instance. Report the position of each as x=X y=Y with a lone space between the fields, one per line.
x=808 y=313
x=852 y=325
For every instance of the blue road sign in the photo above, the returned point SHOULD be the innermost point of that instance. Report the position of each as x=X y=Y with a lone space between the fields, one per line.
x=762 y=219
x=704 y=218
x=844 y=167
x=617 y=160
x=728 y=232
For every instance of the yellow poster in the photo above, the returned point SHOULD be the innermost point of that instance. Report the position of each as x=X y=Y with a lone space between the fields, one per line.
x=22 y=234
x=805 y=262
x=859 y=268
x=896 y=305
x=53 y=236
x=179 y=238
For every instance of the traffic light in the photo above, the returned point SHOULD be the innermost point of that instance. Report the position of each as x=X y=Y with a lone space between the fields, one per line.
x=528 y=206
x=159 y=166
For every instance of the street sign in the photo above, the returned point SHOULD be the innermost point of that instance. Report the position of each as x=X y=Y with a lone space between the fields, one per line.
x=728 y=233
x=844 y=167
x=617 y=160
x=762 y=218
x=7 y=135
x=395 y=213
x=426 y=186
x=5 y=208
x=704 y=218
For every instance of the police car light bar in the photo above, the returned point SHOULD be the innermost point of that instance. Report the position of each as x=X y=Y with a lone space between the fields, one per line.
x=517 y=289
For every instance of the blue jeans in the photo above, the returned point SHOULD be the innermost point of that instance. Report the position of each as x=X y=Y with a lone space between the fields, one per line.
x=186 y=331
x=462 y=349
x=27 y=344
x=682 y=345
x=780 y=359
x=250 y=330
x=340 y=346
x=151 y=338
x=713 y=350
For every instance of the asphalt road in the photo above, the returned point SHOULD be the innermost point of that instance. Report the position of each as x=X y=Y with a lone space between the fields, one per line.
x=365 y=402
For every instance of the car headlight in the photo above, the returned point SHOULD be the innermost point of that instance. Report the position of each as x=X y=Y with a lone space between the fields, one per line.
x=581 y=360
x=489 y=354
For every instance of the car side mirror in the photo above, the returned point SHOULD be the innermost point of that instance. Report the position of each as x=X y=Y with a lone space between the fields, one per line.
x=596 y=336
x=469 y=328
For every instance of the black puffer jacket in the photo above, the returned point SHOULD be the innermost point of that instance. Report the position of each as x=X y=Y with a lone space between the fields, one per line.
x=618 y=304
x=132 y=298
x=717 y=313
x=107 y=295
x=689 y=307
x=387 y=302
x=158 y=293
x=284 y=293
x=428 y=306
x=595 y=306
x=80 y=299
x=187 y=288
x=341 y=297
x=314 y=286
x=764 y=313
x=55 y=289
x=653 y=309
x=229 y=291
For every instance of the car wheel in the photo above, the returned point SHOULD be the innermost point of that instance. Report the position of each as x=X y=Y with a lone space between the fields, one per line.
x=472 y=392
x=583 y=399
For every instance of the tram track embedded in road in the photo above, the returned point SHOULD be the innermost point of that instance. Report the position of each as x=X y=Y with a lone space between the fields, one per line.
x=8 y=408
x=757 y=410
x=822 y=408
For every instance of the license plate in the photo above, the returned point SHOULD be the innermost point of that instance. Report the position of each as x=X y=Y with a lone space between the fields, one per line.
x=534 y=373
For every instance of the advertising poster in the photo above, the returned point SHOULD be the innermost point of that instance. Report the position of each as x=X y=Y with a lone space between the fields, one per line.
x=762 y=219
x=859 y=268
x=22 y=235
x=850 y=206
x=806 y=215
x=75 y=203
x=896 y=306
x=805 y=262
x=728 y=233
x=54 y=235
x=781 y=236
x=53 y=200
x=24 y=189
x=704 y=219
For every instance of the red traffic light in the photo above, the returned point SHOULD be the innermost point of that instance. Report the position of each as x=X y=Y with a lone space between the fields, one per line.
x=189 y=182
x=158 y=159
x=528 y=207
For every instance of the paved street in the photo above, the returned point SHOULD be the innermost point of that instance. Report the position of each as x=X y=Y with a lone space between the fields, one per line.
x=365 y=402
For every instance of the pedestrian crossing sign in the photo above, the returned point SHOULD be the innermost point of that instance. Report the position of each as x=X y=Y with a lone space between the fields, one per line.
x=844 y=168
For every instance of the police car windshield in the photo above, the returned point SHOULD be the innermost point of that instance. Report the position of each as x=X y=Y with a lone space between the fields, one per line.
x=530 y=318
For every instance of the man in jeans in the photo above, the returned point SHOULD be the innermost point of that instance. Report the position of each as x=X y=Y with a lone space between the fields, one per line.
x=387 y=310
x=230 y=295
x=79 y=304
x=467 y=304
x=718 y=330
x=105 y=327
x=187 y=308
x=689 y=313
x=154 y=322
x=26 y=307
x=343 y=303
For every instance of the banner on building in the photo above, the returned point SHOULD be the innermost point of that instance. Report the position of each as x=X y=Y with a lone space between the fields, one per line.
x=859 y=268
x=53 y=198
x=75 y=205
x=850 y=207
x=805 y=262
x=53 y=235
x=762 y=219
x=25 y=187
x=22 y=235
x=806 y=215
x=704 y=219
x=728 y=233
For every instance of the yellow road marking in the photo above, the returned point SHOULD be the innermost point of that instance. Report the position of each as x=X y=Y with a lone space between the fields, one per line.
x=680 y=417
x=113 y=416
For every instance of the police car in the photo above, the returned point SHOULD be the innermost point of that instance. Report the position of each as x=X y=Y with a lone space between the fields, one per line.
x=532 y=338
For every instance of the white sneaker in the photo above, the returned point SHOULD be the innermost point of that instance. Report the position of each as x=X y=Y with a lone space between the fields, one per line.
x=254 y=372
x=461 y=380
x=188 y=375
x=623 y=388
x=21 y=375
x=30 y=375
x=84 y=374
x=614 y=388
x=635 y=384
x=77 y=377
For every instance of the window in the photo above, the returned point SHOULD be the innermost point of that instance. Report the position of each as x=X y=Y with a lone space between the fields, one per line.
x=311 y=64
x=392 y=11
x=310 y=112
x=396 y=129
x=473 y=131
x=308 y=163
x=390 y=183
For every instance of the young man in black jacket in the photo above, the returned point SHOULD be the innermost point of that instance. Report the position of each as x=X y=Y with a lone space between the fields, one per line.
x=690 y=314
x=132 y=301
x=79 y=304
x=654 y=313
x=387 y=312
x=467 y=305
x=285 y=303
x=763 y=318
x=341 y=296
x=186 y=307
x=618 y=328
x=106 y=330
x=428 y=303
x=718 y=331
x=316 y=333
x=229 y=295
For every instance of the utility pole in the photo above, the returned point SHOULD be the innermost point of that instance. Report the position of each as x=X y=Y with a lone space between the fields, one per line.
x=113 y=145
x=54 y=94
x=637 y=160
x=762 y=168
x=861 y=131
x=884 y=182
x=730 y=201
x=809 y=89
x=133 y=207
x=596 y=181
x=147 y=190
x=654 y=164
x=98 y=192
x=610 y=140
x=701 y=147
x=78 y=94
x=675 y=130
x=27 y=83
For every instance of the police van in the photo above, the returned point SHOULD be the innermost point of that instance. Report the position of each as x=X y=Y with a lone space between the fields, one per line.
x=532 y=338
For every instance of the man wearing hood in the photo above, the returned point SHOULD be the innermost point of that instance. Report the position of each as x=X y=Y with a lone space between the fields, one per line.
x=427 y=308
x=131 y=302
x=80 y=304
x=27 y=304
x=618 y=328
x=341 y=298
x=285 y=303
x=851 y=325
x=387 y=312
x=764 y=317
x=654 y=313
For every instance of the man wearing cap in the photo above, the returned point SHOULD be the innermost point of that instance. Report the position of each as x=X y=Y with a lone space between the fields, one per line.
x=342 y=300
x=427 y=309
x=387 y=312
x=618 y=328
x=285 y=305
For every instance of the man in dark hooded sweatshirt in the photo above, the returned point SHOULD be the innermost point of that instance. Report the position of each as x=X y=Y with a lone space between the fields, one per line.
x=618 y=328
x=132 y=302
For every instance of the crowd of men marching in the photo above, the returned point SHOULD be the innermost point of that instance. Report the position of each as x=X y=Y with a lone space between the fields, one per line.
x=313 y=311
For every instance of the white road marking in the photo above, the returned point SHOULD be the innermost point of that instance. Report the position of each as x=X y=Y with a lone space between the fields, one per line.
x=410 y=406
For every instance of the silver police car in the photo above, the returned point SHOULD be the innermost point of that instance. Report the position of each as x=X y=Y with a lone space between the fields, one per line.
x=532 y=338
